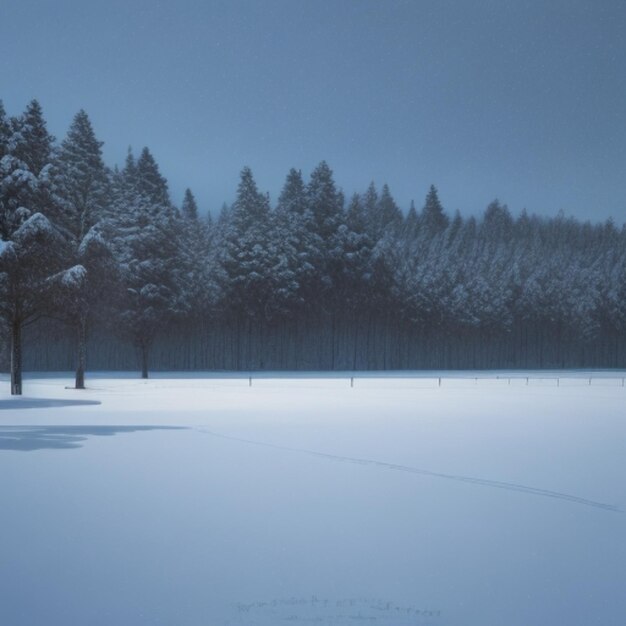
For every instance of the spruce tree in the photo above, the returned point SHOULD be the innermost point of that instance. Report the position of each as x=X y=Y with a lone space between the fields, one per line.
x=82 y=191
x=31 y=265
x=389 y=215
x=32 y=249
x=325 y=204
x=197 y=285
x=35 y=143
x=189 y=208
x=292 y=242
x=433 y=218
x=145 y=234
x=247 y=261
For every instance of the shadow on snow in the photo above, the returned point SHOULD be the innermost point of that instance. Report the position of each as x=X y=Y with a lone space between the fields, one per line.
x=42 y=403
x=30 y=438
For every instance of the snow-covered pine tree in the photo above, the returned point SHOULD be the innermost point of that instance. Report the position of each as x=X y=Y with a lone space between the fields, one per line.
x=32 y=249
x=247 y=261
x=357 y=270
x=384 y=256
x=325 y=204
x=370 y=207
x=82 y=192
x=31 y=265
x=411 y=223
x=20 y=184
x=381 y=210
x=33 y=145
x=197 y=281
x=293 y=243
x=389 y=215
x=82 y=181
x=145 y=236
x=189 y=207
x=433 y=218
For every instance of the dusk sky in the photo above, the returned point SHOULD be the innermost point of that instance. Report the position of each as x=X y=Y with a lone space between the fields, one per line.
x=520 y=100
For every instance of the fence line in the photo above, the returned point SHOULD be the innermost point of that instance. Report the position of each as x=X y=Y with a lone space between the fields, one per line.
x=446 y=381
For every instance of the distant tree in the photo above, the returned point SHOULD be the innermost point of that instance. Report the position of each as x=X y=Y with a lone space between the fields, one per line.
x=294 y=244
x=189 y=208
x=198 y=286
x=247 y=261
x=433 y=218
x=325 y=204
x=324 y=201
x=411 y=222
x=370 y=201
x=497 y=223
x=388 y=215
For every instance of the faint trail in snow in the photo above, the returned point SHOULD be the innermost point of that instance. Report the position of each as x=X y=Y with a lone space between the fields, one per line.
x=484 y=482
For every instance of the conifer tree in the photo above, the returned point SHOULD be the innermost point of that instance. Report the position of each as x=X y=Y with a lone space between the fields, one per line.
x=411 y=222
x=390 y=216
x=35 y=143
x=145 y=236
x=31 y=265
x=189 y=208
x=293 y=243
x=325 y=204
x=82 y=192
x=197 y=284
x=433 y=218
x=32 y=249
x=247 y=260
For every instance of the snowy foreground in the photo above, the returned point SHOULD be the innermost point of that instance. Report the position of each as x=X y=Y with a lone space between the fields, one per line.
x=399 y=501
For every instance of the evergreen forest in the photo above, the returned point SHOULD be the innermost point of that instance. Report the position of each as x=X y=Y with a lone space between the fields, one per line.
x=101 y=269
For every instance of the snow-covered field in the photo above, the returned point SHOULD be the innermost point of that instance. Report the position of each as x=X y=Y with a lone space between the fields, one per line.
x=304 y=500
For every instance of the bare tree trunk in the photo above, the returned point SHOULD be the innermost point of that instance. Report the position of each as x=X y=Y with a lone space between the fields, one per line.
x=16 y=359
x=81 y=353
x=144 y=360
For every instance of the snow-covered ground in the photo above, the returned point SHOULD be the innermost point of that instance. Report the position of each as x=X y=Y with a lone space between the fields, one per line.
x=303 y=499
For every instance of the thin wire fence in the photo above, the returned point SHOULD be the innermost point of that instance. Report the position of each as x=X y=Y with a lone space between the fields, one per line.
x=361 y=380
x=428 y=382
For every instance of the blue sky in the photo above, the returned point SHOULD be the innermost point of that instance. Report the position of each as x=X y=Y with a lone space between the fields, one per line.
x=520 y=100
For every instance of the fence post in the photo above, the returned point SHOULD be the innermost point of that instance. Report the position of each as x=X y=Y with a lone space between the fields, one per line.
x=352 y=381
x=250 y=381
x=440 y=381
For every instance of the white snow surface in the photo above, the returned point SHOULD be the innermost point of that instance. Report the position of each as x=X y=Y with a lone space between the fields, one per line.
x=401 y=500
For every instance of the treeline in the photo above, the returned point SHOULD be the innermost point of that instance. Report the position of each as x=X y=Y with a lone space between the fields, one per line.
x=100 y=261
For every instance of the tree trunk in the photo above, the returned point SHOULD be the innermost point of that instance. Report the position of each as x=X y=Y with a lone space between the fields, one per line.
x=144 y=361
x=16 y=359
x=81 y=353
